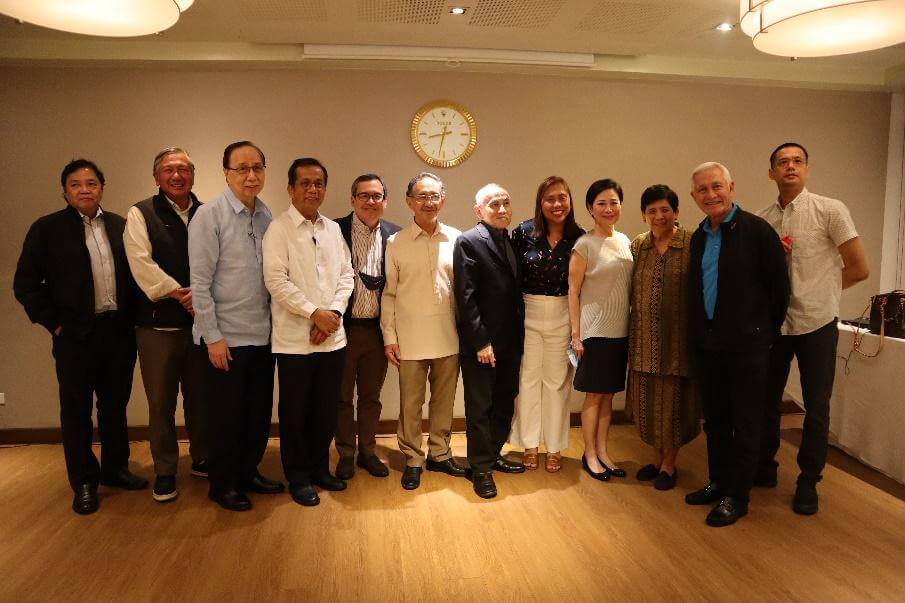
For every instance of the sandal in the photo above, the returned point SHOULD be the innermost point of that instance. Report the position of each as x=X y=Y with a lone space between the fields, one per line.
x=529 y=460
x=554 y=462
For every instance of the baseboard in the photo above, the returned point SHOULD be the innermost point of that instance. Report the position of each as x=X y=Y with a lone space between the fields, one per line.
x=139 y=433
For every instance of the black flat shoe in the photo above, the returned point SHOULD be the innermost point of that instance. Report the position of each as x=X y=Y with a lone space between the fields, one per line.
x=259 y=484
x=328 y=482
x=449 y=466
x=666 y=481
x=125 y=479
x=483 y=484
x=615 y=471
x=805 y=501
x=372 y=465
x=345 y=468
x=706 y=495
x=647 y=473
x=304 y=495
x=85 y=501
x=727 y=512
x=602 y=476
x=231 y=500
x=411 y=478
x=504 y=466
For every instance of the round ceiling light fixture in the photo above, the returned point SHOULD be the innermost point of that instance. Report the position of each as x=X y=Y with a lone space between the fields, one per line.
x=113 y=18
x=818 y=28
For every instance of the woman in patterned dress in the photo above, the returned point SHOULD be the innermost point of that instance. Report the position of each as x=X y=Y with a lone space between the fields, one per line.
x=661 y=394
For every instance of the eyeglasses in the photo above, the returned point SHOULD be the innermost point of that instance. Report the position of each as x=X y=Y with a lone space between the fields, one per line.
x=182 y=170
x=365 y=197
x=243 y=170
x=425 y=197
x=306 y=184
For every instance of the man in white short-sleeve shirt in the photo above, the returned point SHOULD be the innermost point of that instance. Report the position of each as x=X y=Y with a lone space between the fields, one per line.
x=825 y=256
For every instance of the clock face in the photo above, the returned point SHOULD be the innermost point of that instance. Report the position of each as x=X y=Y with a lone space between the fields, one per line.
x=444 y=133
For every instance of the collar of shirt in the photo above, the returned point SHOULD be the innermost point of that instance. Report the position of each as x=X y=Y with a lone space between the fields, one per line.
x=705 y=223
x=675 y=241
x=361 y=227
x=497 y=233
x=298 y=219
x=799 y=199
x=238 y=206
x=417 y=231
x=176 y=207
x=87 y=220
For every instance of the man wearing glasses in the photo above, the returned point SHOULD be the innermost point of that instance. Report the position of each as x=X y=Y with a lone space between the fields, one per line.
x=366 y=235
x=418 y=320
x=232 y=319
x=308 y=271
x=156 y=243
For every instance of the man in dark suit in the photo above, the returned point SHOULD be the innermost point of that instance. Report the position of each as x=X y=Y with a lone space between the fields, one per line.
x=491 y=334
x=73 y=279
x=366 y=234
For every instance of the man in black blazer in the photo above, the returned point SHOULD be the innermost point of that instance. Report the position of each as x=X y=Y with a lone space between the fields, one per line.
x=491 y=334
x=73 y=279
x=366 y=234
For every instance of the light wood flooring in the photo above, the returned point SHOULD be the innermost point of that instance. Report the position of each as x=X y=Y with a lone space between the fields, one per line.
x=559 y=537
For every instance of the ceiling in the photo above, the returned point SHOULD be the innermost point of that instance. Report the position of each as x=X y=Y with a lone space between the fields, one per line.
x=629 y=38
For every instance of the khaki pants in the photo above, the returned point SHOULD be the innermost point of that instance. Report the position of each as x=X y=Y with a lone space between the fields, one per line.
x=168 y=359
x=365 y=370
x=442 y=374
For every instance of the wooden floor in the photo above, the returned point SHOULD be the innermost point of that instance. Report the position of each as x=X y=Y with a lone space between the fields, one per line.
x=546 y=537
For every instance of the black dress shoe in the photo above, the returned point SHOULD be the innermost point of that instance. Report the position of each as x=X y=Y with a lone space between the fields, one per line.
x=345 y=468
x=125 y=479
x=372 y=465
x=602 y=476
x=504 y=466
x=483 y=484
x=647 y=473
x=727 y=512
x=85 y=501
x=614 y=471
x=328 y=482
x=304 y=495
x=231 y=500
x=449 y=466
x=805 y=501
x=199 y=469
x=259 y=484
x=706 y=495
x=666 y=481
x=411 y=477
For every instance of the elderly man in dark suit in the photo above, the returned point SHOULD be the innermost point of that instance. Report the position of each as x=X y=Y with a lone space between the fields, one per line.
x=73 y=279
x=366 y=234
x=491 y=334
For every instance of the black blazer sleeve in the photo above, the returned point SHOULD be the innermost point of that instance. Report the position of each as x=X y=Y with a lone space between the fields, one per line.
x=775 y=269
x=30 y=281
x=467 y=280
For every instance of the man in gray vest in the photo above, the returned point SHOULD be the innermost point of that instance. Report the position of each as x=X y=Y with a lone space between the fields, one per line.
x=156 y=243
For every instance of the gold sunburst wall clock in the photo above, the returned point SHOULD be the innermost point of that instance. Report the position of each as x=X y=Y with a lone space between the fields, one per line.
x=444 y=133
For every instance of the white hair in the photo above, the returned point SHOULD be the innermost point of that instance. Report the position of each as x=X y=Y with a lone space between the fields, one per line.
x=487 y=191
x=709 y=165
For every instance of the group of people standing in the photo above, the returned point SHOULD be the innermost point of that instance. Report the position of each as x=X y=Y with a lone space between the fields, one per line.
x=687 y=321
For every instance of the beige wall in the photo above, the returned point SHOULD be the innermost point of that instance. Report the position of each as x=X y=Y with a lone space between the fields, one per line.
x=638 y=132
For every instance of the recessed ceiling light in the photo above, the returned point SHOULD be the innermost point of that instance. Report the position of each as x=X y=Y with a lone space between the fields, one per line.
x=724 y=26
x=457 y=10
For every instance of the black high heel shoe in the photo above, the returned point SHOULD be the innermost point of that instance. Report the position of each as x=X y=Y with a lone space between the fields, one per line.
x=615 y=471
x=603 y=476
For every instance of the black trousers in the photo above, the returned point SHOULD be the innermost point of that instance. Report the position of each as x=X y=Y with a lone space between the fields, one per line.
x=733 y=387
x=240 y=403
x=97 y=361
x=489 y=403
x=816 y=352
x=309 y=401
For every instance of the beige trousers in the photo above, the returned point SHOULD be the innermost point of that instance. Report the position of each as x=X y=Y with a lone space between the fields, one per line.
x=442 y=374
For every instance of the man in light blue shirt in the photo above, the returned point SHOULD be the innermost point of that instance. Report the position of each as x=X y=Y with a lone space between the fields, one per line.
x=232 y=319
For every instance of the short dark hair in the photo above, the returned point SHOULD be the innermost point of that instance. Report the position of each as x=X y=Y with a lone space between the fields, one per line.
x=786 y=145
x=228 y=151
x=571 y=229
x=597 y=187
x=419 y=178
x=655 y=193
x=80 y=164
x=304 y=162
x=366 y=178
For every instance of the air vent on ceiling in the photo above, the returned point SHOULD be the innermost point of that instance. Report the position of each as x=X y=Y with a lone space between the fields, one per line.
x=608 y=16
x=515 y=13
x=270 y=10
x=412 y=12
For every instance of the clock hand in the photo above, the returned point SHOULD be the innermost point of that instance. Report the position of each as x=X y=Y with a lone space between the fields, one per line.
x=443 y=137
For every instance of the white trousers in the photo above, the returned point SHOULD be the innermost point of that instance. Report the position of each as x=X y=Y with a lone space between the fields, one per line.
x=542 y=407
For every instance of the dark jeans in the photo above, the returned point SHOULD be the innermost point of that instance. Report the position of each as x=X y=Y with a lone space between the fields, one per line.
x=490 y=394
x=733 y=385
x=816 y=352
x=99 y=360
x=309 y=399
x=238 y=415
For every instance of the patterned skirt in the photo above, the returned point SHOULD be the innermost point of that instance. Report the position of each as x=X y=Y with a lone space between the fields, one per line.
x=666 y=408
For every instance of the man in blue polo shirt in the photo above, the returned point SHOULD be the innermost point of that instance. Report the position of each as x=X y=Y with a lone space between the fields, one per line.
x=739 y=288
